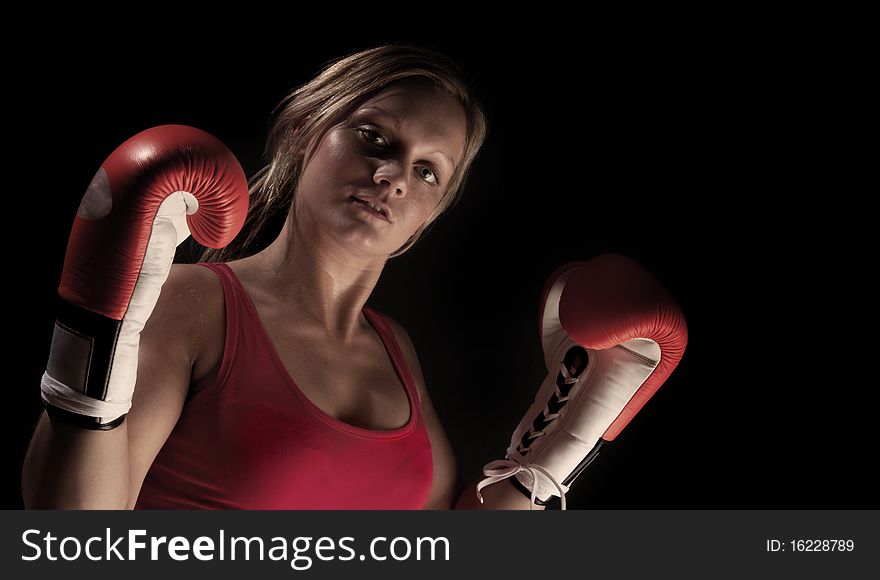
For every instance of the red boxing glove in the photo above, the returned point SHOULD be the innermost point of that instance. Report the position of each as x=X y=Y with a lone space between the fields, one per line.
x=611 y=336
x=149 y=195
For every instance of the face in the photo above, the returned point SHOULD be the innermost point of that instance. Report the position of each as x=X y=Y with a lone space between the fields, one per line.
x=398 y=150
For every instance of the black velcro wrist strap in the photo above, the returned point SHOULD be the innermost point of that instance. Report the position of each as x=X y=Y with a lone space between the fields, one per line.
x=526 y=491
x=56 y=414
x=83 y=347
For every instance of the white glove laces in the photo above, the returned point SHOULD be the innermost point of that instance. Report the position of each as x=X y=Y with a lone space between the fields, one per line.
x=500 y=469
x=504 y=468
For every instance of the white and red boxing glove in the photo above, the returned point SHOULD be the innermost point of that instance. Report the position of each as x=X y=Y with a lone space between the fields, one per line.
x=611 y=336
x=148 y=196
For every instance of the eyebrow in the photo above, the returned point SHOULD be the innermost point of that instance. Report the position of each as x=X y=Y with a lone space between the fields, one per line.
x=397 y=123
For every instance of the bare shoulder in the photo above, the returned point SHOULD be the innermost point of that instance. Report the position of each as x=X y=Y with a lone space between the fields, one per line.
x=191 y=285
x=189 y=316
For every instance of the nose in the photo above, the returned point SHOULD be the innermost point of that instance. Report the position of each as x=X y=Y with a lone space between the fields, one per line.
x=391 y=175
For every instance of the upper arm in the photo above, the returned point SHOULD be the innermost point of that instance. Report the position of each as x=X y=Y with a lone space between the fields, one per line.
x=169 y=345
x=444 y=486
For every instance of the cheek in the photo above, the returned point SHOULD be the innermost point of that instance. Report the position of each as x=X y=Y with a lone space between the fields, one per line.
x=333 y=162
x=419 y=211
x=340 y=152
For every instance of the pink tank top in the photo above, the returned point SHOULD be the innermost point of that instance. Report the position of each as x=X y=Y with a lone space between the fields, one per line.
x=251 y=439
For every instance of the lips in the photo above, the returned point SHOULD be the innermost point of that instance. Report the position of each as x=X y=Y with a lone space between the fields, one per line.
x=371 y=203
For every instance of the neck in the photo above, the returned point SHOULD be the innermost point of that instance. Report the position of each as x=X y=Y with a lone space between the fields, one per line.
x=318 y=279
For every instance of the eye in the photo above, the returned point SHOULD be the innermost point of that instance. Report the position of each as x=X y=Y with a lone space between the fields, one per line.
x=370 y=134
x=433 y=175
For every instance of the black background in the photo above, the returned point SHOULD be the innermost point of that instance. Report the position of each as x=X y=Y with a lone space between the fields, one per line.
x=610 y=135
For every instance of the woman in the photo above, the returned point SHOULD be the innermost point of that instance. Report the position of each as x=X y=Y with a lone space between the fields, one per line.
x=263 y=381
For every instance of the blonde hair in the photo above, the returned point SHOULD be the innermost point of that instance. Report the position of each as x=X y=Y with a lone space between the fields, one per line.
x=310 y=110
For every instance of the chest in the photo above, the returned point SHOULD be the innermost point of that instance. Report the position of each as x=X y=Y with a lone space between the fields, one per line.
x=356 y=383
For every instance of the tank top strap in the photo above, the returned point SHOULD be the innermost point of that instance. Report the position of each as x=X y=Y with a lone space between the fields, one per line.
x=223 y=272
x=236 y=312
x=386 y=333
x=232 y=292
